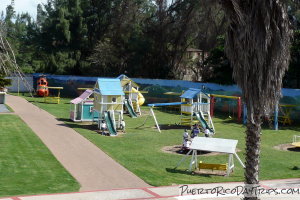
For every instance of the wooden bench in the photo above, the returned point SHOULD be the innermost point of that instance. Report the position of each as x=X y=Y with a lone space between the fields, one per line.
x=220 y=167
x=212 y=168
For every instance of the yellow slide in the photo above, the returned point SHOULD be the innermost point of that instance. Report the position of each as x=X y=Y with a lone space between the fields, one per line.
x=141 y=98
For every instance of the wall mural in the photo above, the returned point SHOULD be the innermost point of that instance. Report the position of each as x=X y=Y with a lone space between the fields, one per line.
x=157 y=89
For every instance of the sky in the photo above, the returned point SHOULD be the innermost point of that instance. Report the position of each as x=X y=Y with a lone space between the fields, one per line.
x=22 y=6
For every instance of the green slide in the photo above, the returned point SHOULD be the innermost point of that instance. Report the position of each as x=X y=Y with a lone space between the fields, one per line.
x=109 y=123
x=203 y=121
x=130 y=109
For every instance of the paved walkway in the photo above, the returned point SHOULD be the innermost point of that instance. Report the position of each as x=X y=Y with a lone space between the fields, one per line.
x=179 y=192
x=90 y=166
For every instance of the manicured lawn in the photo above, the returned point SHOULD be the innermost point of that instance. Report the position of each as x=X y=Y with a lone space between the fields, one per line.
x=139 y=150
x=26 y=165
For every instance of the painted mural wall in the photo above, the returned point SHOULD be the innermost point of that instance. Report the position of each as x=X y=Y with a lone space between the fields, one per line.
x=156 y=89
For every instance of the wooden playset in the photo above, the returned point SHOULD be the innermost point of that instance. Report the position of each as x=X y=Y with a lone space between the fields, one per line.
x=134 y=97
x=108 y=103
x=195 y=108
x=82 y=108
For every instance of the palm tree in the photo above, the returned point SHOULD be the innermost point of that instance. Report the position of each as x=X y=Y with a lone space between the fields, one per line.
x=257 y=44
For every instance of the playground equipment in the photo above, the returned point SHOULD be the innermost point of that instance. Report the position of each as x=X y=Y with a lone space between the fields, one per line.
x=296 y=141
x=8 y=63
x=195 y=108
x=212 y=145
x=108 y=102
x=54 y=98
x=284 y=114
x=82 y=108
x=151 y=113
x=134 y=97
x=130 y=109
x=238 y=106
x=42 y=85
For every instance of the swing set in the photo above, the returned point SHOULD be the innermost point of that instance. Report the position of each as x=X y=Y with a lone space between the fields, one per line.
x=238 y=105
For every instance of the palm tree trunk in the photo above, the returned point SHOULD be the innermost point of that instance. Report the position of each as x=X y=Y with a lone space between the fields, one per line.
x=253 y=134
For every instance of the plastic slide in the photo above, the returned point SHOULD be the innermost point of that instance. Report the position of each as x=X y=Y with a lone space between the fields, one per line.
x=130 y=109
x=109 y=123
x=203 y=122
x=141 y=98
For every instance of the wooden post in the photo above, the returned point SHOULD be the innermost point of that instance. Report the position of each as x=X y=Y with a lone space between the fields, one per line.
x=276 y=118
x=58 y=96
x=212 y=105
x=18 y=86
x=238 y=158
x=239 y=108
x=230 y=159
x=245 y=114
x=183 y=159
x=153 y=115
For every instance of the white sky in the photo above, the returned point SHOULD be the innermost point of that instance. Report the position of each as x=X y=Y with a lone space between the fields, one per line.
x=22 y=6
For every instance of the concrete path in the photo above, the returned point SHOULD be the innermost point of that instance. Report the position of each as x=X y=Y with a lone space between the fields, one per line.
x=3 y=109
x=287 y=189
x=90 y=166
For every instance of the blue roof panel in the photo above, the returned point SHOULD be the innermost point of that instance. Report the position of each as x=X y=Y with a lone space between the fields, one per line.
x=110 y=86
x=190 y=93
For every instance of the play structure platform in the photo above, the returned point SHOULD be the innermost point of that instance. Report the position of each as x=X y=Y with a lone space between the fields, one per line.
x=108 y=103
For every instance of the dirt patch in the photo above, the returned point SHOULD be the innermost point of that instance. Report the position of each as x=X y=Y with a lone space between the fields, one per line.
x=287 y=147
x=176 y=149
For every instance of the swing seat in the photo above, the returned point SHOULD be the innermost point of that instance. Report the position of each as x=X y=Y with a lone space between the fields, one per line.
x=212 y=166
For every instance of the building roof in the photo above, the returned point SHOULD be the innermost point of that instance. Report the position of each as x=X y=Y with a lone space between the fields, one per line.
x=109 y=86
x=194 y=50
x=190 y=93
x=82 y=97
x=125 y=80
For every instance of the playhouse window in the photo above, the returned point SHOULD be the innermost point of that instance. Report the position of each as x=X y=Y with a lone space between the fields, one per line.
x=91 y=108
x=204 y=100
x=114 y=99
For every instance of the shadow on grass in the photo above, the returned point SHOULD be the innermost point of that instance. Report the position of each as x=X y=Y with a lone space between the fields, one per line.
x=186 y=172
x=294 y=149
x=295 y=168
x=172 y=126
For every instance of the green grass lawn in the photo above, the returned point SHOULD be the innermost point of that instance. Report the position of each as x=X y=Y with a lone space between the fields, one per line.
x=139 y=150
x=26 y=165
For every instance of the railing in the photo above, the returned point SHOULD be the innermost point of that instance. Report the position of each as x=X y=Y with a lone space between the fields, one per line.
x=203 y=107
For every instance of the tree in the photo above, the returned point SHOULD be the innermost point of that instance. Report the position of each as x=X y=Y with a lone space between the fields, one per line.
x=124 y=46
x=257 y=44
x=4 y=82
x=292 y=77
x=216 y=68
